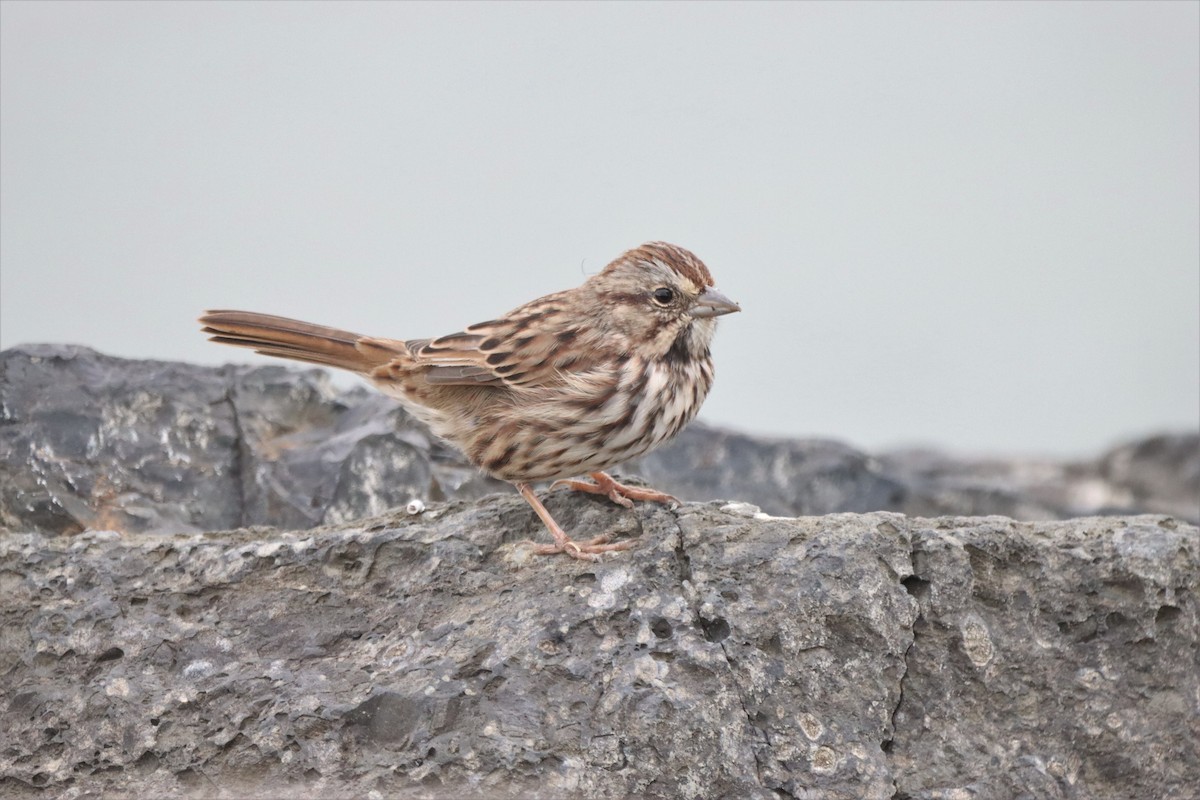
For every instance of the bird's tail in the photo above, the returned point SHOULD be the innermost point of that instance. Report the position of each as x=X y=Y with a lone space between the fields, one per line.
x=300 y=341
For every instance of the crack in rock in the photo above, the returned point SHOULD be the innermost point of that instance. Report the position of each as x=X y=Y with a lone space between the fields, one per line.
x=241 y=454
x=708 y=628
x=916 y=588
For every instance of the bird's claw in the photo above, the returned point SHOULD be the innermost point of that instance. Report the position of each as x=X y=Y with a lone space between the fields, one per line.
x=619 y=493
x=584 y=551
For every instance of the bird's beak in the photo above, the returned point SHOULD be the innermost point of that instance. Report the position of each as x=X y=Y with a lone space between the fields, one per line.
x=713 y=304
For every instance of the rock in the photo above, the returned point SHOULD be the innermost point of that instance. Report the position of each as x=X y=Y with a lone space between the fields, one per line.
x=729 y=654
x=1159 y=474
x=91 y=442
x=1077 y=639
x=423 y=653
x=784 y=476
x=88 y=441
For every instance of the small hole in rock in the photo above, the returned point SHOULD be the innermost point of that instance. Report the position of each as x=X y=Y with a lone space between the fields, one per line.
x=917 y=587
x=1167 y=615
x=111 y=654
x=716 y=630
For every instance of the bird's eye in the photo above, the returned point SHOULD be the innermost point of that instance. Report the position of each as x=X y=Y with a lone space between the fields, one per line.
x=663 y=295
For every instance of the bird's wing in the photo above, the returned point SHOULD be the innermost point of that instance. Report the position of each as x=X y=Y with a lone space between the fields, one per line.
x=532 y=346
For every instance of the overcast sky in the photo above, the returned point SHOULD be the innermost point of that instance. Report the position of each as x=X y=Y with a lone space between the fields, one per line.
x=970 y=225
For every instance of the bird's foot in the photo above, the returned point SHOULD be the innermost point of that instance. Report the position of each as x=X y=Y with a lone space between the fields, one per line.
x=584 y=551
x=617 y=492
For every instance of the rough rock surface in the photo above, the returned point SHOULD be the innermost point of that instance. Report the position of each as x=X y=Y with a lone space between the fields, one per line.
x=91 y=442
x=730 y=654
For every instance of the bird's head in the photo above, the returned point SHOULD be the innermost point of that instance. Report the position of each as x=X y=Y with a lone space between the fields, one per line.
x=662 y=297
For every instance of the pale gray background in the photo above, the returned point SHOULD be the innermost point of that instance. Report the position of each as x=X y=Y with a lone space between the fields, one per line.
x=970 y=225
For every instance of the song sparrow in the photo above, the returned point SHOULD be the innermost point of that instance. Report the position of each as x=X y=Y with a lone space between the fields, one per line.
x=571 y=383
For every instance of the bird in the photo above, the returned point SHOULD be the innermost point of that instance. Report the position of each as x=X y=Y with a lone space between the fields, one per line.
x=569 y=384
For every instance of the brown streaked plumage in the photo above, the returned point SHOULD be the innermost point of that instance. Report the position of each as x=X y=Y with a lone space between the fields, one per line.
x=571 y=383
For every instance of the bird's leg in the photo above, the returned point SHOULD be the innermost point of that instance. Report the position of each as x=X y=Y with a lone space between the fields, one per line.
x=586 y=551
x=617 y=492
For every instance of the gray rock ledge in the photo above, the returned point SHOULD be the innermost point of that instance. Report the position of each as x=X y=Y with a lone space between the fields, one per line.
x=730 y=654
x=93 y=442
